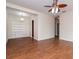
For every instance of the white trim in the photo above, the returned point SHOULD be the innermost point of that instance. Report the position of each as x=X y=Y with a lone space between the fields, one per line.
x=45 y=38
x=61 y=38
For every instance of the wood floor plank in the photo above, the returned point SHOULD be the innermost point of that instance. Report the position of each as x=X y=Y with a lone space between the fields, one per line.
x=27 y=48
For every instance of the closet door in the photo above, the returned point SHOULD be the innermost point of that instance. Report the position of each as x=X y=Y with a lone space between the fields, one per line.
x=18 y=29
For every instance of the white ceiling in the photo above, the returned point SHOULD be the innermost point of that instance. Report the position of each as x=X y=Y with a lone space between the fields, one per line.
x=39 y=4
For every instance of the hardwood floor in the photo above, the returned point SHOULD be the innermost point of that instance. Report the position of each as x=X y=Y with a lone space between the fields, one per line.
x=26 y=48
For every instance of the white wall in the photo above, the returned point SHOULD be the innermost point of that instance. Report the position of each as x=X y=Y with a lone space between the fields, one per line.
x=45 y=26
x=66 y=26
x=17 y=28
x=6 y=28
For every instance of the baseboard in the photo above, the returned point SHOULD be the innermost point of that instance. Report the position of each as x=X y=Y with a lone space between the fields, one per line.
x=45 y=39
x=65 y=39
x=19 y=38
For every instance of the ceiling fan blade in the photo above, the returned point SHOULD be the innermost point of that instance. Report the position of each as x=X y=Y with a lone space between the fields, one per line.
x=62 y=5
x=50 y=10
x=47 y=6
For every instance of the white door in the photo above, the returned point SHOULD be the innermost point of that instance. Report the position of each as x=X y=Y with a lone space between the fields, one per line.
x=18 y=28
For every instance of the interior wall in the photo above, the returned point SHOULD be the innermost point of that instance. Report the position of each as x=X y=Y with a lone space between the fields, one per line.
x=66 y=26
x=6 y=28
x=45 y=26
x=17 y=28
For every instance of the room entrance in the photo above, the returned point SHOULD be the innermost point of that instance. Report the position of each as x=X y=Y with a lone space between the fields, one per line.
x=57 y=25
x=33 y=29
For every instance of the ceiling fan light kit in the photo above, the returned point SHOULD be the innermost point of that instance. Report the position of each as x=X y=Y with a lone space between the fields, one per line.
x=55 y=10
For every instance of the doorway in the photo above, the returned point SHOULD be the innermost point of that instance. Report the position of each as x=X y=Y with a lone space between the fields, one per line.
x=57 y=25
x=32 y=29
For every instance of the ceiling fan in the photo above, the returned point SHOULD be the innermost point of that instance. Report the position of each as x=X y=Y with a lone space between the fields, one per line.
x=55 y=8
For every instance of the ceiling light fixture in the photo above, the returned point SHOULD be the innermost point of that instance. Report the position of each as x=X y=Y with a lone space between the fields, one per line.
x=55 y=10
x=22 y=19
